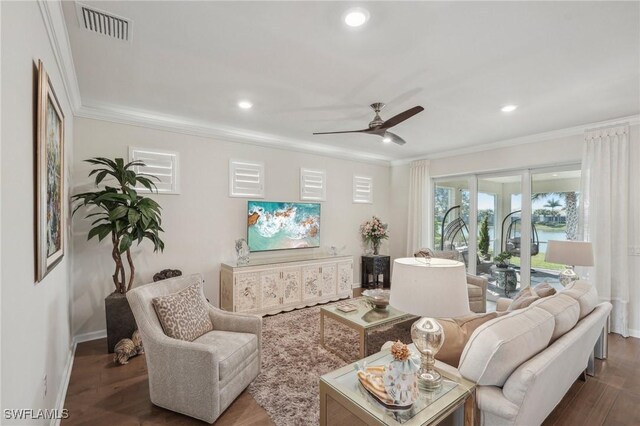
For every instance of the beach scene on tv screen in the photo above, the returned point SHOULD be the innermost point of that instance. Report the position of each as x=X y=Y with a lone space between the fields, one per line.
x=278 y=225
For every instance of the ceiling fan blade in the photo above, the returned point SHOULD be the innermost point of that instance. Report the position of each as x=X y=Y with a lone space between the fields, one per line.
x=395 y=138
x=397 y=119
x=345 y=131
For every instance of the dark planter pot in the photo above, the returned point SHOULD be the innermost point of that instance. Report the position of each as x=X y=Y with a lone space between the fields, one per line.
x=120 y=321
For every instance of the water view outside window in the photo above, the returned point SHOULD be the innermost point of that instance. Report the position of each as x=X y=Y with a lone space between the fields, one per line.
x=554 y=216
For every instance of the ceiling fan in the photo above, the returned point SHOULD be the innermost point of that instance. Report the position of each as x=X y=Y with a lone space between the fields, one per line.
x=379 y=127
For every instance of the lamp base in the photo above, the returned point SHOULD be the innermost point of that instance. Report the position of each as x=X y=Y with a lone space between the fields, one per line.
x=568 y=276
x=429 y=380
x=428 y=336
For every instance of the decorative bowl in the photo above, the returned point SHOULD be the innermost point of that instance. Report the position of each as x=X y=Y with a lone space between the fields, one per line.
x=379 y=298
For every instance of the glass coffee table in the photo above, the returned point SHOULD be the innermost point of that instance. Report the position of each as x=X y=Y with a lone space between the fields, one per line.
x=363 y=320
x=343 y=400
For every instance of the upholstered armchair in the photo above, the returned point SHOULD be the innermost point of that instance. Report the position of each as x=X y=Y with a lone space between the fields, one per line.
x=476 y=286
x=200 y=378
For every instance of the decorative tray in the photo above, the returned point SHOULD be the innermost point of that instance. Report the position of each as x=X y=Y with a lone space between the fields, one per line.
x=371 y=380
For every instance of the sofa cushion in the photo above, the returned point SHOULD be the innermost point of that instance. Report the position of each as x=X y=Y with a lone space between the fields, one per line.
x=183 y=315
x=565 y=311
x=498 y=347
x=234 y=350
x=585 y=294
x=457 y=332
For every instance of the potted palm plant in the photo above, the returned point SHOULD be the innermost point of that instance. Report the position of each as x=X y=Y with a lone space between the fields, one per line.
x=121 y=214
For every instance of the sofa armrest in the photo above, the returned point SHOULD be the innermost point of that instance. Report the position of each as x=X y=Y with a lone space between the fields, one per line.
x=491 y=399
x=502 y=304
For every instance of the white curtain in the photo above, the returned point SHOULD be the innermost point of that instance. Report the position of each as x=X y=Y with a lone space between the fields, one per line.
x=604 y=217
x=419 y=228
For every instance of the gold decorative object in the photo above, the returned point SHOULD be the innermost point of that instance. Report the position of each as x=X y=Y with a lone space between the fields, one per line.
x=400 y=351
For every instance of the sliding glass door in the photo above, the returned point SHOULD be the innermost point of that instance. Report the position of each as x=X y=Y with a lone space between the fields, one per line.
x=499 y=217
x=452 y=210
x=500 y=223
x=554 y=213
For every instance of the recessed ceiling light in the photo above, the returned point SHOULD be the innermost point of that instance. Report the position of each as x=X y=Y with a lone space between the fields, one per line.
x=356 y=17
x=555 y=175
x=245 y=104
x=386 y=139
x=508 y=108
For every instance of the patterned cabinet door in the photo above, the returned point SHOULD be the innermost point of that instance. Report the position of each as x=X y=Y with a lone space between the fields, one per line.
x=270 y=288
x=247 y=291
x=311 y=282
x=291 y=285
x=328 y=273
x=345 y=277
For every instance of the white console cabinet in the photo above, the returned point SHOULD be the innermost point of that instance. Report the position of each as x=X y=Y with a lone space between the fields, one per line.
x=269 y=286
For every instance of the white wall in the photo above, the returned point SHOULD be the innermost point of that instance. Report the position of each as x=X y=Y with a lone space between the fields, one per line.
x=539 y=154
x=202 y=223
x=35 y=317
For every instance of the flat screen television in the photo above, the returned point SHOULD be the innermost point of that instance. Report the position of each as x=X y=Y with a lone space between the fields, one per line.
x=281 y=226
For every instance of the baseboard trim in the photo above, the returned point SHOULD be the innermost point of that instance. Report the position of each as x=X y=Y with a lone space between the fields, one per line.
x=87 y=337
x=634 y=333
x=64 y=386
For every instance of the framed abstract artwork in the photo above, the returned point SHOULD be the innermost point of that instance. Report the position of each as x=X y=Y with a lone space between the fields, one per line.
x=50 y=178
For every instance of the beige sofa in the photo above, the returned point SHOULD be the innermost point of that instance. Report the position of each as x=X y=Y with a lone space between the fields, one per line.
x=476 y=286
x=524 y=362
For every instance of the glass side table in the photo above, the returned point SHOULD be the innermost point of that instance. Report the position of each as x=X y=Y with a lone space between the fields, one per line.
x=363 y=320
x=343 y=400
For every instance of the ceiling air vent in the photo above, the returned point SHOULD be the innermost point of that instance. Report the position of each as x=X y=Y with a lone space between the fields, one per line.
x=105 y=23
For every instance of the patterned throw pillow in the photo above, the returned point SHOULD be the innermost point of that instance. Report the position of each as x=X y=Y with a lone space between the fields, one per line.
x=183 y=315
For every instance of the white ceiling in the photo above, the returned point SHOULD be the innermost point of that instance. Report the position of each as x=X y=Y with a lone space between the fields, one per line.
x=564 y=63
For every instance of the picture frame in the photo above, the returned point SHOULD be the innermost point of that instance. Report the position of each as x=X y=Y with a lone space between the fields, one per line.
x=50 y=194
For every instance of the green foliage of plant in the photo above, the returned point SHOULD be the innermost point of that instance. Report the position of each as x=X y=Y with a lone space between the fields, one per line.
x=552 y=204
x=483 y=240
x=501 y=259
x=121 y=213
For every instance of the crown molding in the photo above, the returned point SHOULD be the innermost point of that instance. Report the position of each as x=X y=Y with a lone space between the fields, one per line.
x=187 y=126
x=56 y=27
x=523 y=140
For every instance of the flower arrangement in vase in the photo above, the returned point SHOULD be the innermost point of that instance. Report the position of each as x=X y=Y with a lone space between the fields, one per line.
x=374 y=231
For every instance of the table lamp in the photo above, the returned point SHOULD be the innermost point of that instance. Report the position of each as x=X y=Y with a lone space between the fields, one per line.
x=430 y=290
x=570 y=254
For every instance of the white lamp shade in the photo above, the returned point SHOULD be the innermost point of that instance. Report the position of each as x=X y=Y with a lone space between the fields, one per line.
x=437 y=289
x=572 y=253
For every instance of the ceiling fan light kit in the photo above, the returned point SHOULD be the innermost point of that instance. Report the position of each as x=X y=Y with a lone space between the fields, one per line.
x=379 y=127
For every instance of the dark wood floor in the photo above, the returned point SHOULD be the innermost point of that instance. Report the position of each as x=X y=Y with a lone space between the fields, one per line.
x=102 y=394
x=612 y=397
